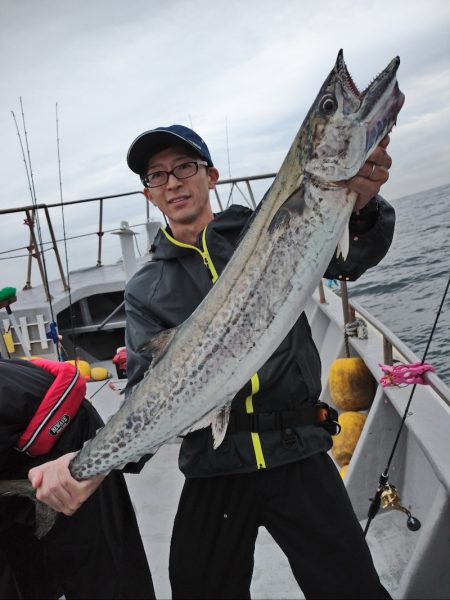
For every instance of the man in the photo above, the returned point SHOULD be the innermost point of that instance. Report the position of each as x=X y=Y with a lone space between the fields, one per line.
x=279 y=476
x=98 y=553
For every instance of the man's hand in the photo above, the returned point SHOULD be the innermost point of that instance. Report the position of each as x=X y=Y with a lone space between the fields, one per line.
x=372 y=175
x=56 y=487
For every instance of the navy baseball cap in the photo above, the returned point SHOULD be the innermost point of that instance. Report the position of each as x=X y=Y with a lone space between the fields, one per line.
x=155 y=140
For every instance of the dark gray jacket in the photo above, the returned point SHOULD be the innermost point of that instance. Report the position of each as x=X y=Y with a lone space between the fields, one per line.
x=168 y=289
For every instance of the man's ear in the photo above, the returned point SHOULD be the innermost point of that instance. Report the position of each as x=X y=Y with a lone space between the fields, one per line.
x=213 y=177
x=148 y=195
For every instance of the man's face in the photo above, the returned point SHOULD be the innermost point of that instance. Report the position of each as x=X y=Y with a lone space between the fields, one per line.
x=183 y=201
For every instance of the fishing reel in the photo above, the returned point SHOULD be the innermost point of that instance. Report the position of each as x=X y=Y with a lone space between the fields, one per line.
x=391 y=499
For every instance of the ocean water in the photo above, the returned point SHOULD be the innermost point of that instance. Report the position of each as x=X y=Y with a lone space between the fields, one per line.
x=406 y=289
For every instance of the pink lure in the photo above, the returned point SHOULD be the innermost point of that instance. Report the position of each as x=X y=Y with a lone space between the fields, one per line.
x=405 y=373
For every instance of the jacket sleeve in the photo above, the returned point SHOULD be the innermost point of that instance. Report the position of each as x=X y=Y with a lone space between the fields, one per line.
x=371 y=233
x=140 y=327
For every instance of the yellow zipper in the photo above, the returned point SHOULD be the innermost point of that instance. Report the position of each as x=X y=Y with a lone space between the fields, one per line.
x=207 y=261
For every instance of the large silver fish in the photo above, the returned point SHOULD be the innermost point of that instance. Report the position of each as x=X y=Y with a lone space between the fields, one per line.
x=201 y=365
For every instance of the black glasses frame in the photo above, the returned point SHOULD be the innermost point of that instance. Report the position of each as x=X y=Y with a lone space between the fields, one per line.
x=147 y=179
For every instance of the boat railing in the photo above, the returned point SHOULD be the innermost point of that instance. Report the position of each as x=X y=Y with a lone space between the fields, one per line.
x=392 y=343
x=241 y=186
x=235 y=185
x=35 y=249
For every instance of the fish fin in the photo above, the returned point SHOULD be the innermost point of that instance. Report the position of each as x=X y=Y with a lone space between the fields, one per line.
x=158 y=344
x=343 y=244
x=45 y=519
x=296 y=203
x=217 y=419
x=220 y=424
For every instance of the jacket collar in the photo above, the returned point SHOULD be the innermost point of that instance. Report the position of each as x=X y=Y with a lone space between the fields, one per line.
x=226 y=224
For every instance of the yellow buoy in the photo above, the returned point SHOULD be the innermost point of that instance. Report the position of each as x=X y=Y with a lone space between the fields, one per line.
x=344 y=443
x=352 y=386
x=83 y=366
x=99 y=373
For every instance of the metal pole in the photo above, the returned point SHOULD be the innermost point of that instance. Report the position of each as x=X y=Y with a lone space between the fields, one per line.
x=55 y=248
x=100 y=235
x=37 y=254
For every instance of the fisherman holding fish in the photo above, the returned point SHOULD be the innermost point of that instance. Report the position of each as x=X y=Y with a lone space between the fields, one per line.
x=270 y=466
x=230 y=492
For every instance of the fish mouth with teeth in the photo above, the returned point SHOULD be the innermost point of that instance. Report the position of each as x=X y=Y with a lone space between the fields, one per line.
x=353 y=121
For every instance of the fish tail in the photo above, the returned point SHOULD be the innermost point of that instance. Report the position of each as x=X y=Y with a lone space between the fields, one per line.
x=45 y=516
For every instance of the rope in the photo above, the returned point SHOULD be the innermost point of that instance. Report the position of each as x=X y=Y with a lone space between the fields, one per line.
x=358 y=328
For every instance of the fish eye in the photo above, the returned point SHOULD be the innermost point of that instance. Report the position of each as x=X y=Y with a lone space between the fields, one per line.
x=328 y=104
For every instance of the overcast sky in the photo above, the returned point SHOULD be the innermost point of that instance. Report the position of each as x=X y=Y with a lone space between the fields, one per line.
x=242 y=73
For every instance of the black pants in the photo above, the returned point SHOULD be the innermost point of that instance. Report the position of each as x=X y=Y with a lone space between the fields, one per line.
x=306 y=509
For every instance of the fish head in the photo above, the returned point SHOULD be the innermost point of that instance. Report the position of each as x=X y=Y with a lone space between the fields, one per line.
x=344 y=125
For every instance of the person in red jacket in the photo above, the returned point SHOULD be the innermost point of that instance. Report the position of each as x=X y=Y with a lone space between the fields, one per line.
x=97 y=553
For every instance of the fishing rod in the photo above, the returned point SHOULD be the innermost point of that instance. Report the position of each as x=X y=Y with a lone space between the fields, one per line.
x=34 y=203
x=53 y=328
x=23 y=155
x=384 y=488
x=71 y=312
x=11 y=292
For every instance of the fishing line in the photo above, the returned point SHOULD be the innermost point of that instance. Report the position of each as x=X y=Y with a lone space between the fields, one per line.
x=111 y=385
x=375 y=504
x=415 y=385
x=97 y=390
x=228 y=159
x=228 y=147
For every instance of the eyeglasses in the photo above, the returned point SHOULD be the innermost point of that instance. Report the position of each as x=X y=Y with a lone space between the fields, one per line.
x=183 y=171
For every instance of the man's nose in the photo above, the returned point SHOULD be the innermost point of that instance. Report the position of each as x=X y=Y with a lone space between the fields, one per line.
x=173 y=182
